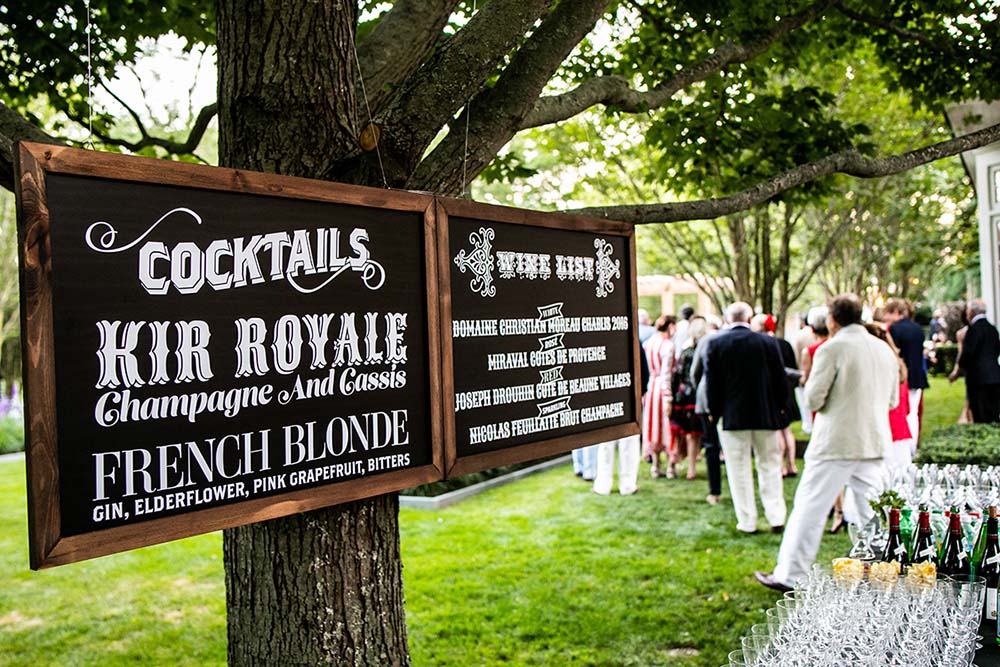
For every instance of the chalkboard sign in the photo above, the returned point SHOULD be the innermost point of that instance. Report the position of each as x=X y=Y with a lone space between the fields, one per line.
x=541 y=350
x=207 y=347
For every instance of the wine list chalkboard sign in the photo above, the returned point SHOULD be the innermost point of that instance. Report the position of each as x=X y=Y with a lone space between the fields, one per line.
x=541 y=354
x=207 y=347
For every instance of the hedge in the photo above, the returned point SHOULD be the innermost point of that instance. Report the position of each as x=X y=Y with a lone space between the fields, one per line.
x=11 y=435
x=944 y=359
x=961 y=444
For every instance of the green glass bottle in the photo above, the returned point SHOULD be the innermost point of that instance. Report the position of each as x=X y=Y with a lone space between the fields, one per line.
x=988 y=567
x=979 y=546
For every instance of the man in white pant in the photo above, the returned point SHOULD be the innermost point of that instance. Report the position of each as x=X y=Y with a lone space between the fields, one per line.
x=628 y=454
x=628 y=466
x=747 y=393
x=853 y=384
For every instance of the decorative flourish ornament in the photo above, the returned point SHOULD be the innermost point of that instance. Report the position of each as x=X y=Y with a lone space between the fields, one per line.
x=480 y=262
x=607 y=268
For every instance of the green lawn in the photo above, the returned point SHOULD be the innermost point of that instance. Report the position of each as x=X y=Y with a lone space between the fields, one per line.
x=541 y=572
x=943 y=402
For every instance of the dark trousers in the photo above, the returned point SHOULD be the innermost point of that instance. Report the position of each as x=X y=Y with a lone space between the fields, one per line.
x=984 y=403
x=710 y=440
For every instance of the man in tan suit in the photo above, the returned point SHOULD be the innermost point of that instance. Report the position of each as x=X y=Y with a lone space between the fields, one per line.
x=853 y=384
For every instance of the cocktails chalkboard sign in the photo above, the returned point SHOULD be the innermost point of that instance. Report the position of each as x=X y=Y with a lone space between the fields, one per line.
x=207 y=347
x=540 y=346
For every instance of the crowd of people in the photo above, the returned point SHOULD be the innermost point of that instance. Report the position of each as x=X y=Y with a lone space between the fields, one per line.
x=729 y=391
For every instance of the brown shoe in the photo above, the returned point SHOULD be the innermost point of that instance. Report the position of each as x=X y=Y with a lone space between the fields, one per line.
x=767 y=579
x=777 y=530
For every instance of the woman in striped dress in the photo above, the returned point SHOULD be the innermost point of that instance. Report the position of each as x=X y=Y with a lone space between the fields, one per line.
x=656 y=434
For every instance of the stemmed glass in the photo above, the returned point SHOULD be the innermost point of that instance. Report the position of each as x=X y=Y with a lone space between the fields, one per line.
x=830 y=622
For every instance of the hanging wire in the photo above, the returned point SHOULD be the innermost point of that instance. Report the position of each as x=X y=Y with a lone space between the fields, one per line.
x=465 y=151
x=371 y=123
x=89 y=143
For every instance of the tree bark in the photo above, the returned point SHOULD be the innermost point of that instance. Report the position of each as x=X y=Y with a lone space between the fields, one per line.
x=397 y=45
x=323 y=587
x=319 y=588
x=429 y=98
x=789 y=221
x=493 y=116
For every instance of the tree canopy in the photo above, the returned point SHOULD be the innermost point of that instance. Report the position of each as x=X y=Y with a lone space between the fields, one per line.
x=445 y=85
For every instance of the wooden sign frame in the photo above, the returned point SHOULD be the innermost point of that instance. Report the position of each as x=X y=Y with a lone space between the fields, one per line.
x=47 y=546
x=456 y=465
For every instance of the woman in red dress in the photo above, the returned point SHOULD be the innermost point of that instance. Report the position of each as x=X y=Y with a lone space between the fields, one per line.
x=656 y=435
x=898 y=457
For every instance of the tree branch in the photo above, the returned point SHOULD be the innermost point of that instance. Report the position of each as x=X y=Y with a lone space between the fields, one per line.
x=727 y=264
x=131 y=112
x=495 y=114
x=704 y=264
x=849 y=162
x=429 y=98
x=400 y=41
x=14 y=128
x=615 y=90
x=831 y=243
x=948 y=48
x=185 y=147
x=702 y=279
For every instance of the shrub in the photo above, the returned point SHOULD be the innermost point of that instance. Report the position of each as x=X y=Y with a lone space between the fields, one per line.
x=944 y=359
x=961 y=444
x=11 y=435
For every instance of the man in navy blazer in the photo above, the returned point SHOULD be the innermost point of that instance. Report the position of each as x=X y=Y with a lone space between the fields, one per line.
x=909 y=338
x=978 y=361
x=747 y=393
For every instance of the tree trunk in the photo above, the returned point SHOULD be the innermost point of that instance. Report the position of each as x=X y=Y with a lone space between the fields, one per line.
x=738 y=240
x=320 y=588
x=766 y=285
x=324 y=587
x=789 y=221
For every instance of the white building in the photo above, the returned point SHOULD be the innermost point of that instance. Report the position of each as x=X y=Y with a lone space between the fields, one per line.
x=983 y=166
x=664 y=295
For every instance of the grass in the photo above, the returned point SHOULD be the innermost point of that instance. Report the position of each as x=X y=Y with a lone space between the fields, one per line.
x=943 y=403
x=545 y=573
x=162 y=605
x=541 y=572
